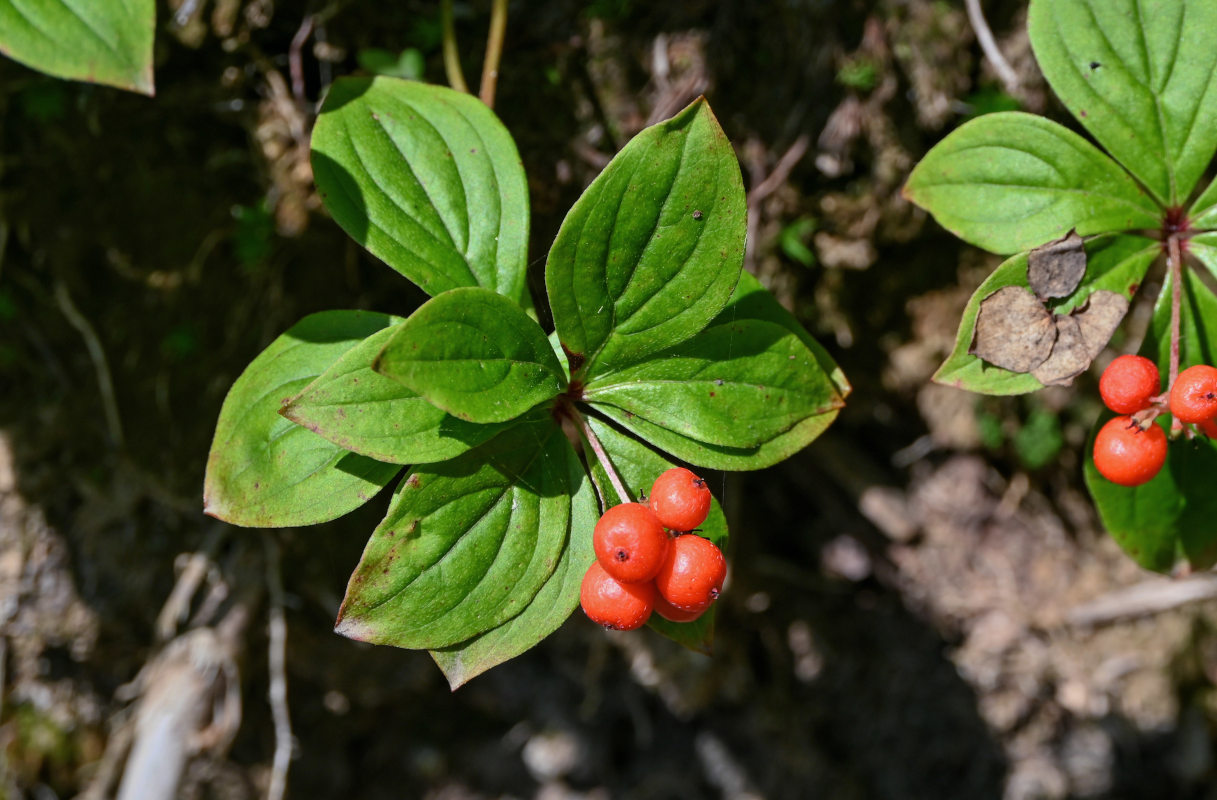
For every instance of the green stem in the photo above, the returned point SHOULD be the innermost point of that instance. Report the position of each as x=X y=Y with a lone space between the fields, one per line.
x=452 y=59
x=494 y=52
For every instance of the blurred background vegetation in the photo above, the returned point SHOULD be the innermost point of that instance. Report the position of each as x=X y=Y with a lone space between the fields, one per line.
x=915 y=608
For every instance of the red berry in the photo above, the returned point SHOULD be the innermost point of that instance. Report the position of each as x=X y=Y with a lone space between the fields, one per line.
x=630 y=543
x=1194 y=395
x=680 y=499
x=613 y=604
x=693 y=573
x=1126 y=454
x=1128 y=383
x=673 y=614
x=1209 y=427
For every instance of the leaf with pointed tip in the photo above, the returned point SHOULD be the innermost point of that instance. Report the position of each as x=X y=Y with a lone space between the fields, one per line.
x=1011 y=181
x=639 y=466
x=365 y=412
x=1202 y=216
x=1169 y=520
x=554 y=602
x=475 y=354
x=265 y=471
x=736 y=384
x=1204 y=247
x=1115 y=263
x=750 y=302
x=84 y=40
x=428 y=180
x=1141 y=77
x=467 y=543
x=651 y=251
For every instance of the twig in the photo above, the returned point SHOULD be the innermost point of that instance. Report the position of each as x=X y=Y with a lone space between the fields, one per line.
x=452 y=59
x=294 y=61
x=277 y=659
x=494 y=52
x=98 y=356
x=781 y=171
x=984 y=36
x=1175 y=262
x=622 y=493
x=1149 y=597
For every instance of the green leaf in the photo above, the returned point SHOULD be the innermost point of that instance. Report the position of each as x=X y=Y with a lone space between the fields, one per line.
x=475 y=354
x=1202 y=216
x=367 y=413
x=737 y=384
x=639 y=466
x=1139 y=75
x=467 y=544
x=652 y=250
x=1169 y=520
x=751 y=301
x=1114 y=263
x=1012 y=181
x=100 y=41
x=1204 y=248
x=264 y=470
x=428 y=180
x=553 y=603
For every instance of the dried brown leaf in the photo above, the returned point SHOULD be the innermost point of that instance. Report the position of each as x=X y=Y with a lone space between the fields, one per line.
x=1013 y=330
x=1080 y=337
x=1099 y=319
x=1055 y=269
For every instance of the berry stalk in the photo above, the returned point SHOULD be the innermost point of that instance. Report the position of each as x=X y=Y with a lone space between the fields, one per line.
x=1174 y=262
x=618 y=485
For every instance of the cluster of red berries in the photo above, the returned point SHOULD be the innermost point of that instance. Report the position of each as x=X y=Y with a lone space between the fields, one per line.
x=648 y=560
x=1130 y=449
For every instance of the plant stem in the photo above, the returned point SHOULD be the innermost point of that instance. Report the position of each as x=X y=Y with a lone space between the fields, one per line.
x=623 y=494
x=452 y=59
x=494 y=52
x=1174 y=262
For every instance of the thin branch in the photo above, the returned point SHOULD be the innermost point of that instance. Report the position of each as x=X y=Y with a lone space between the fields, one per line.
x=277 y=663
x=494 y=52
x=984 y=36
x=295 y=63
x=623 y=494
x=104 y=384
x=1152 y=596
x=452 y=58
x=1175 y=263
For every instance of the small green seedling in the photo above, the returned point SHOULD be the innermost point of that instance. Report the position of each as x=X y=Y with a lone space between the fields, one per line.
x=512 y=439
x=1082 y=227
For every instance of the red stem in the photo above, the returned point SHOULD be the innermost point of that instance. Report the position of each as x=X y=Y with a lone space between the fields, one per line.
x=601 y=456
x=1175 y=264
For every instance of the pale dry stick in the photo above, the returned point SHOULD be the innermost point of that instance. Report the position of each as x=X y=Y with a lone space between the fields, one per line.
x=1175 y=263
x=777 y=176
x=104 y=384
x=1152 y=596
x=452 y=59
x=494 y=52
x=602 y=457
x=294 y=61
x=277 y=662
x=984 y=36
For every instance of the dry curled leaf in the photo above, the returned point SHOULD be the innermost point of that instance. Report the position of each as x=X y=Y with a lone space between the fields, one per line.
x=1013 y=330
x=1080 y=337
x=1055 y=269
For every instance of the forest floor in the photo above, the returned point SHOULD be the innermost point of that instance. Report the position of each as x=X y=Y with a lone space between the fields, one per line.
x=922 y=604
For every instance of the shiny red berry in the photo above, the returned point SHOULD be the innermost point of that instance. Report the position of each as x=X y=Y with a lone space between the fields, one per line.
x=1126 y=454
x=1194 y=395
x=673 y=614
x=693 y=573
x=613 y=604
x=1128 y=383
x=630 y=542
x=680 y=499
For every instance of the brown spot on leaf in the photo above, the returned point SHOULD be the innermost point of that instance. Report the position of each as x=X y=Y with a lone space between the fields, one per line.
x=413 y=481
x=574 y=360
x=1055 y=269
x=1013 y=330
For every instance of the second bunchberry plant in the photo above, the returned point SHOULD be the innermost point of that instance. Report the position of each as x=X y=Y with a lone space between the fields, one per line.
x=506 y=440
x=1082 y=228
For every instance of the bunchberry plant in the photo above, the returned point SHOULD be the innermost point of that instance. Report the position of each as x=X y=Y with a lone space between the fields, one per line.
x=509 y=441
x=681 y=500
x=615 y=604
x=1129 y=384
x=1082 y=228
x=630 y=543
x=692 y=575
